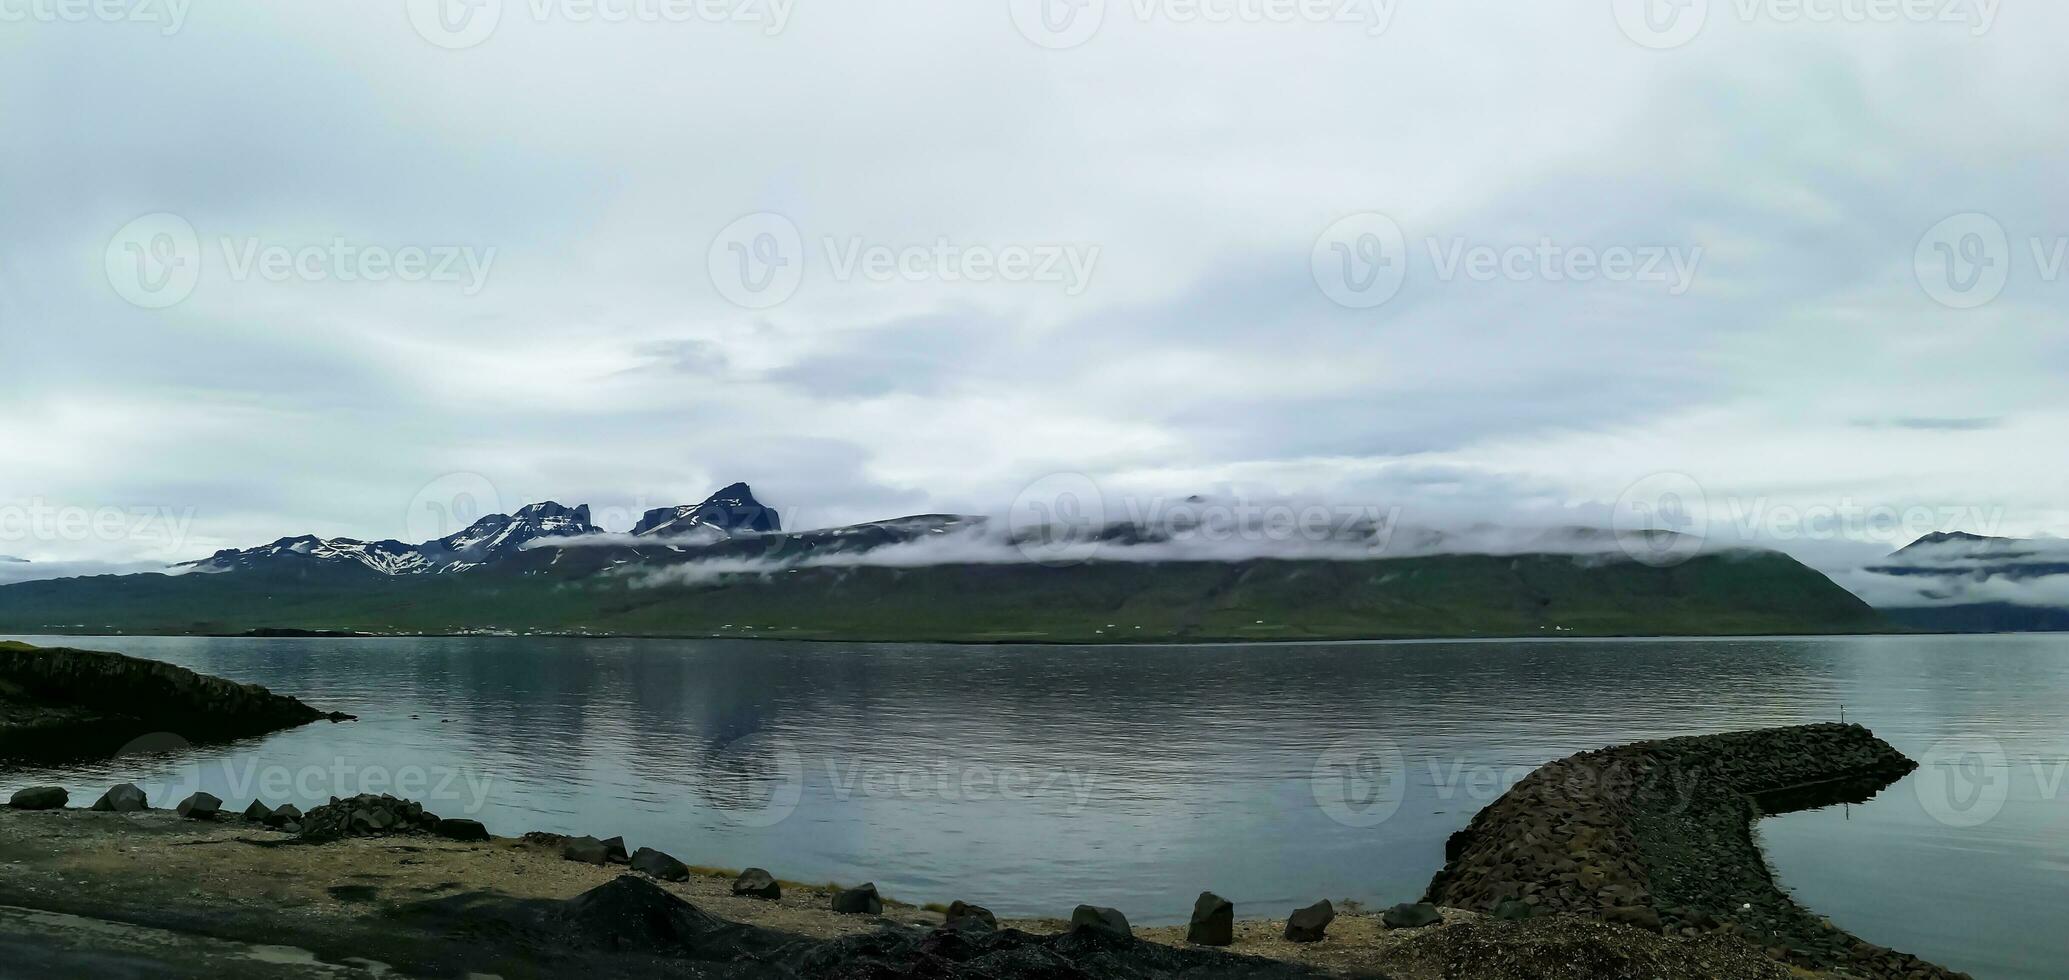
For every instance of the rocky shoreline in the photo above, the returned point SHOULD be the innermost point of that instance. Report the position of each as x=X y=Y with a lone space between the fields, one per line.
x=209 y=893
x=1658 y=835
x=59 y=702
x=1630 y=863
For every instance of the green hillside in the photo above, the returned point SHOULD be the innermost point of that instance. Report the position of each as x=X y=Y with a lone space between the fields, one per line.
x=1440 y=596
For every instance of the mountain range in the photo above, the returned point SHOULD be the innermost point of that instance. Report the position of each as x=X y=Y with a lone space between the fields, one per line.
x=1970 y=583
x=495 y=538
x=726 y=567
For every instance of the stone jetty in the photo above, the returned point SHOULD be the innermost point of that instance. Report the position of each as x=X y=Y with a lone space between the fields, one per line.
x=1658 y=835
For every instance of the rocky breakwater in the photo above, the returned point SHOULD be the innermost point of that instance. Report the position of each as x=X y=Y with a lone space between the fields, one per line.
x=63 y=702
x=1659 y=835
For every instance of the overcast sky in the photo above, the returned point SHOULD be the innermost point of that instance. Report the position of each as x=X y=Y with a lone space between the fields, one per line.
x=269 y=269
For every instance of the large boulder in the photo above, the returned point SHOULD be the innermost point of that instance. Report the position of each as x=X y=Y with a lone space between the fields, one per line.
x=467 y=830
x=756 y=883
x=1100 y=921
x=200 y=806
x=632 y=914
x=614 y=850
x=257 y=812
x=862 y=900
x=587 y=850
x=1307 y=925
x=39 y=798
x=1213 y=922
x=963 y=915
x=126 y=798
x=653 y=863
x=1411 y=915
x=284 y=814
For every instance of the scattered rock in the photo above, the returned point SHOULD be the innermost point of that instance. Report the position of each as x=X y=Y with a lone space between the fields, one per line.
x=39 y=798
x=587 y=850
x=963 y=915
x=756 y=883
x=1514 y=911
x=1101 y=921
x=284 y=814
x=200 y=806
x=364 y=815
x=651 y=862
x=468 y=830
x=1213 y=922
x=1307 y=925
x=858 y=901
x=257 y=812
x=1411 y=915
x=126 y=798
x=614 y=850
x=633 y=916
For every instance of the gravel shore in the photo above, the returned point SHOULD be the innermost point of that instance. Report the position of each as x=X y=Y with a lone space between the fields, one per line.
x=226 y=899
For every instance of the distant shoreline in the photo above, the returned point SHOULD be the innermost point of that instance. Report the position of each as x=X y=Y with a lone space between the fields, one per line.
x=1144 y=644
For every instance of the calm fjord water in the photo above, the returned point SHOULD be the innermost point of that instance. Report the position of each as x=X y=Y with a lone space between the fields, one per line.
x=1032 y=779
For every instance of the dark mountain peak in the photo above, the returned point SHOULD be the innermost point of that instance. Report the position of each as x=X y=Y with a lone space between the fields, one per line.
x=737 y=493
x=1940 y=538
x=550 y=512
x=500 y=534
x=727 y=511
